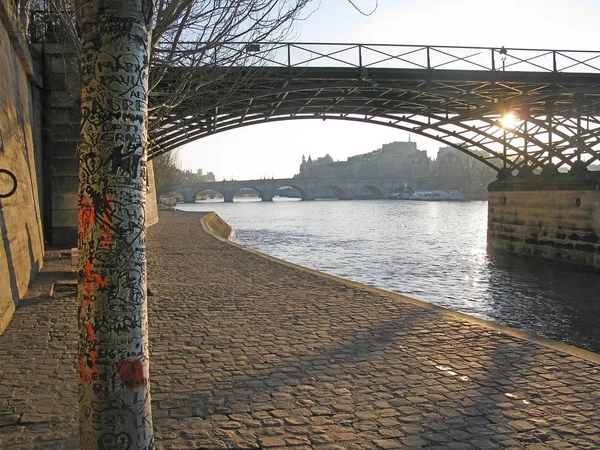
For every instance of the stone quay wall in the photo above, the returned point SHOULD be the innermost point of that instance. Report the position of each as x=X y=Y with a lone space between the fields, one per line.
x=556 y=218
x=21 y=238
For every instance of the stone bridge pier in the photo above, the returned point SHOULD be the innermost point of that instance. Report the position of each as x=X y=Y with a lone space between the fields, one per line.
x=189 y=196
x=228 y=196
x=309 y=194
x=267 y=197
x=554 y=217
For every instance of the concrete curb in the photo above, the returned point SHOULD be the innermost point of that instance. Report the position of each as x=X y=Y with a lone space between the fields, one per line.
x=565 y=348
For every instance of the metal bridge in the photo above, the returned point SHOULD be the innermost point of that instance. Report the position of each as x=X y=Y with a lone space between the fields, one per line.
x=527 y=109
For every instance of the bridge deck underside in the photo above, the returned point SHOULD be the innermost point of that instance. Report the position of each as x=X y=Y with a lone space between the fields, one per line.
x=557 y=114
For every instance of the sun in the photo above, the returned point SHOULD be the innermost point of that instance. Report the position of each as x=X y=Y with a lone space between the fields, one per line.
x=508 y=120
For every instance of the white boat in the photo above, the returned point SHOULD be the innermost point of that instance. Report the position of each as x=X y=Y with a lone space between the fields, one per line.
x=400 y=195
x=430 y=195
x=436 y=195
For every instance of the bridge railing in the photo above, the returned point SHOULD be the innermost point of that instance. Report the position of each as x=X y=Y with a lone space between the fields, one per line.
x=428 y=57
x=45 y=25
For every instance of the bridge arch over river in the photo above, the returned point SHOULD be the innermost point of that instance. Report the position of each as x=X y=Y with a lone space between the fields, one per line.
x=527 y=109
x=308 y=188
x=265 y=189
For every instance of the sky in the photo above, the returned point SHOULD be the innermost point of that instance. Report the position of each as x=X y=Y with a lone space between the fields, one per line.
x=276 y=149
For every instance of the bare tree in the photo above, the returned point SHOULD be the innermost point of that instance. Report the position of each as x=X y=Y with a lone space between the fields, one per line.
x=457 y=170
x=195 y=34
x=167 y=171
x=193 y=44
x=197 y=41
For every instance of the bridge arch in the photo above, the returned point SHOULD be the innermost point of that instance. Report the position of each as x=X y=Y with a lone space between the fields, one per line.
x=406 y=124
x=208 y=190
x=377 y=191
x=302 y=192
x=274 y=109
x=259 y=191
x=467 y=118
x=339 y=192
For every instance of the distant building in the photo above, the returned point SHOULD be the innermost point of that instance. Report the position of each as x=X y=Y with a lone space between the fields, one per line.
x=190 y=177
x=403 y=161
x=391 y=161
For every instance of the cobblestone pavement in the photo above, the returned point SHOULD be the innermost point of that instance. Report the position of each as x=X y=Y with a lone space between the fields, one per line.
x=250 y=353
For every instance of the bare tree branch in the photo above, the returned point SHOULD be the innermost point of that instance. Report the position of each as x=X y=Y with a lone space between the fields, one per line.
x=194 y=42
x=361 y=11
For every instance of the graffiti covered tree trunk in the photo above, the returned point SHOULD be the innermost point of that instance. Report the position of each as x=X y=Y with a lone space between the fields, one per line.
x=114 y=389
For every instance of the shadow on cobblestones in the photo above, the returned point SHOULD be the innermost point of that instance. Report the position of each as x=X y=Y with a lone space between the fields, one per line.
x=249 y=353
x=29 y=302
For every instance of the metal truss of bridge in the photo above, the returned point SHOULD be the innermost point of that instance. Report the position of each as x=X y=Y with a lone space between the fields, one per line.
x=526 y=109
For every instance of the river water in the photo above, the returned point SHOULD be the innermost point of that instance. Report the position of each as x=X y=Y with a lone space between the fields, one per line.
x=432 y=251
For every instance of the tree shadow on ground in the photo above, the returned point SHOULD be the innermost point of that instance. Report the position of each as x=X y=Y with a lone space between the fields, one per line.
x=488 y=391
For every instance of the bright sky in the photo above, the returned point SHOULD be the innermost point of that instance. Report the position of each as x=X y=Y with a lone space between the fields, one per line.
x=276 y=149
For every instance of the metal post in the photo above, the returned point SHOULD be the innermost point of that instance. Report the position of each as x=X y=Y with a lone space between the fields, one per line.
x=525 y=138
x=578 y=129
x=554 y=61
x=289 y=55
x=493 y=61
x=428 y=59
x=550 y=112
x=504 y=152
x=503 y=55
x=360 y=56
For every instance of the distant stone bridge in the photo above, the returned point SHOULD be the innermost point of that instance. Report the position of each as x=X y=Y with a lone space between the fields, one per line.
x=308 y=188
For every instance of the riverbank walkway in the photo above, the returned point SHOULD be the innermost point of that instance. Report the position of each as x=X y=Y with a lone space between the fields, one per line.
x=248 y=352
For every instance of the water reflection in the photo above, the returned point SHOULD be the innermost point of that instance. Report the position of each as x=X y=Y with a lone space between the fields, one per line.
x=435 y=252
x=554 y=300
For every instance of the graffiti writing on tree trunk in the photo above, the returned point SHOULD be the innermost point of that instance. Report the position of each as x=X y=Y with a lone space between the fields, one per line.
x=114 y=389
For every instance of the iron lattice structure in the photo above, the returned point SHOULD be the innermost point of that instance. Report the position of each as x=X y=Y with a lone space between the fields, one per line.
x=455 y=95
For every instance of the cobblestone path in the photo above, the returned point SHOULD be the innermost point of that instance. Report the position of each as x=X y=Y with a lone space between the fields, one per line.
x=251 y=353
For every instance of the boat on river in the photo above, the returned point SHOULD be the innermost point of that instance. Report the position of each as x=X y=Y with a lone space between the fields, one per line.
x=429 y=195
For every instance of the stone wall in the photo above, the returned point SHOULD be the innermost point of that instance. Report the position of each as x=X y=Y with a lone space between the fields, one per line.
x=557 y=218
x=61 y=126
x=21 y=239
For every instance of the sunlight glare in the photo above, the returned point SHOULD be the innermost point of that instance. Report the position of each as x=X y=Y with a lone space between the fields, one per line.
x=508 y=120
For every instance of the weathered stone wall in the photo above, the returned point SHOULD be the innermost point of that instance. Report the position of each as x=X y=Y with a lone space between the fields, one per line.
x=61 y=134
x=21 y=239
x=558 y=219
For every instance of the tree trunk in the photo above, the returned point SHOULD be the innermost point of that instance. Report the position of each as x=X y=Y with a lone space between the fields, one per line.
x=114 y=388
